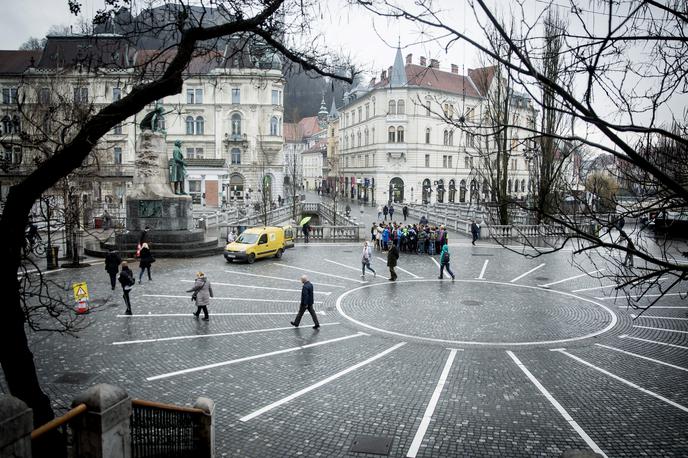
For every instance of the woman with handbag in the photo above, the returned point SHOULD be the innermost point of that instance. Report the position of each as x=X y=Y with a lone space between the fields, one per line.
x=202 y=292
x=145 y=262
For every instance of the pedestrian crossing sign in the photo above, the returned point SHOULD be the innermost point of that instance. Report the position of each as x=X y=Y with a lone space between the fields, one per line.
x=80 y=291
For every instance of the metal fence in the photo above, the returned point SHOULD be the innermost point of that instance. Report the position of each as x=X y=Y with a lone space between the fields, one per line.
x=159 y=430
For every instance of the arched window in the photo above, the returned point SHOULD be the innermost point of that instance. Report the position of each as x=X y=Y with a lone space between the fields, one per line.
x=367 y=137
x=236 y=156
x=16 y=123
x=352 y=140
x=446 y=138
x=509 y=185
x=273 y=125
x=7 y=125
x=465 y=162
x=451 y=138
x=189 y=125
x=372 y=135
x=358 y=135
x=390 y=136
x=400 y=134
x=200 y=125
x=236 y=125
x=462 y=191
x=400 y=107
x=523 y=185
x=427 y=135
x=392 y=107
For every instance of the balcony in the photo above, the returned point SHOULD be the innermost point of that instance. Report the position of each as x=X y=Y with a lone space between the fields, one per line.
x=270 y=144
x=234 y=140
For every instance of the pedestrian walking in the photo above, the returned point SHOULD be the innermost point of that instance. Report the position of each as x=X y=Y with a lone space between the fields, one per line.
x=391 y=212
x=306 y=229
x=379 y=212
x=474 y=231
x=385 y=210
x=202 y=292
x=142 y=239
x=628 y=260
x=127 y=280
x=392 y=258
x=404 y=211
x=112 y=262
x=444 y=262
x=366 y=256
x=306 y=303
x=145 y=262
x=231 y=236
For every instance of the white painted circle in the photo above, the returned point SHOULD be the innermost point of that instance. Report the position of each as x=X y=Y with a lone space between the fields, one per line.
x=614 y=318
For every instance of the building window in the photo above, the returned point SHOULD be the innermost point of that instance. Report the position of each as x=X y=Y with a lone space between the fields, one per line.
x=236 y=156
x=427 y=160
x=116 y=94
x=117 y=130
x=427 y=109
x=465 y=162
x=118 y=154
x=189 y=125
x=44 y=96
x=427 y=135
x=444 y=161
x=392 y=107
x=451 y=138
x=236 y=125
x=445 y=138
x=161 y=122
x=367 y=139
x=360 y=114
x=523 y=185
x=7 y=127
x=236 y=95
x=367 y=162
x=273 y=125
x=400 y=107
x=194 y=153
x=194 y=96
x=275 y=97
x=391 y=135
x=80 y=95
x=372 y=135
x=449 y=162
x=400 y=134
x=200 y=125
x=358 y=135
x=367 y=106
x=9 y=95
x=470 y=140
x=509 y=186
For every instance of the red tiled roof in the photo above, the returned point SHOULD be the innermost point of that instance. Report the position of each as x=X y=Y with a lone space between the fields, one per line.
x=436 y=79
x=16 y=62
x=482 y=77
x=292 y=133
x=309 y=126
x=319 y=147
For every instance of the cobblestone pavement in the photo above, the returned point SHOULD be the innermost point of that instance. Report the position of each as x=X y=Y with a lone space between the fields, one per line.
x=492 y=364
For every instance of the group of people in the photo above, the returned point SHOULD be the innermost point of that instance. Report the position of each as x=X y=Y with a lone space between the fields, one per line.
x=409 y=238
x=383 y=211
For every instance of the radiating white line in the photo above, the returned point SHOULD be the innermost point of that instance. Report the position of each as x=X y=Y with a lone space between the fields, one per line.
x=482 y=271
x=249 y=358
x=623 y=296
x=258 y=287
x=658 y=307
x=219 y=334
x=547 y=285
x=657 y=317
x=352 y=268
x=319 y=384
x=623 y=380
x=399 y=268
x=624 y=336
x=591 y=289
x=316 y=272
x=435 y=261
x=154 y=315
x=557 y=406
x=529 y=272
x=642 y=357
x=281 y=278
x=660 y=329
x=430 y=409
x=246 y=299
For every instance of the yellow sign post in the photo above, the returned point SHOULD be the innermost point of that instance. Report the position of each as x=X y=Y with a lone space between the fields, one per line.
x=80 y=291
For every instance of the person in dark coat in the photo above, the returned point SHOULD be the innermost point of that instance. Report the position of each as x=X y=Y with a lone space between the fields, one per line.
x=392 y=257
x=127 y=280
x=391 y=212
x=306 y=303
x=145 y=262
x=404 y=211
x=202 y=292
x=385 y=210
x=112 y=262
x=306 y=229
x=474 y=231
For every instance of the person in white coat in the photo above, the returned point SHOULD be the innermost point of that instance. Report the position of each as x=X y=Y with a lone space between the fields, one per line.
x=366 y=257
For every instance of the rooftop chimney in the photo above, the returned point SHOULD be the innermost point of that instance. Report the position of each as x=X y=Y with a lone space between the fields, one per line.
x=409 y=58
x=455 y=69
x=422 y=61
x=434 y=63
x=383 y=76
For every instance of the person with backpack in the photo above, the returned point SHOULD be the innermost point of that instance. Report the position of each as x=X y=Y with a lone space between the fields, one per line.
x=444 y=262
x=392 y=258
x=202 y=292
x=112 y=262
x=366 y=256
x=432 y=240
x=127 y=280
x=422 y=236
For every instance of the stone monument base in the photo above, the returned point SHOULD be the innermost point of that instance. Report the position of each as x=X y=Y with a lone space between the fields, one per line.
x=160 y=213
x=163 y=244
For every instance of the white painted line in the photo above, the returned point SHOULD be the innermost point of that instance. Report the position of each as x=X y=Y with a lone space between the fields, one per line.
x=594 y=288
x=642 y=357
x=657 y=317
x=653 y=342
x=527 y=273
x=249 y=358
x=430 y=409
x=547 y=285
x=576 y=427
x=627 y=382
x=281 y=278
x=317 y=273
x=319 y=384
x=352 y=268
x=257 y=287
x=399 y=268
x=482 y=271
x=435 y=261
x=640 y=297
x=660 y=329
x=219 y=334
x=658 y=307
x=245 y=299
x=155 y=315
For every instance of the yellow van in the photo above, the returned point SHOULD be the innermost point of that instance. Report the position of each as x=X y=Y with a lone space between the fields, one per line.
x=289 y=236
x=254 y=243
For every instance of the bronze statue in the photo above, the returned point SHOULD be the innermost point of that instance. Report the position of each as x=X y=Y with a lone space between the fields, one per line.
x=153 y=120
x=177 y=168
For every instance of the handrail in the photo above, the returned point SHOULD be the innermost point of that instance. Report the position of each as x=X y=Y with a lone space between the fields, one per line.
x=170 y=407
x=59 y=421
